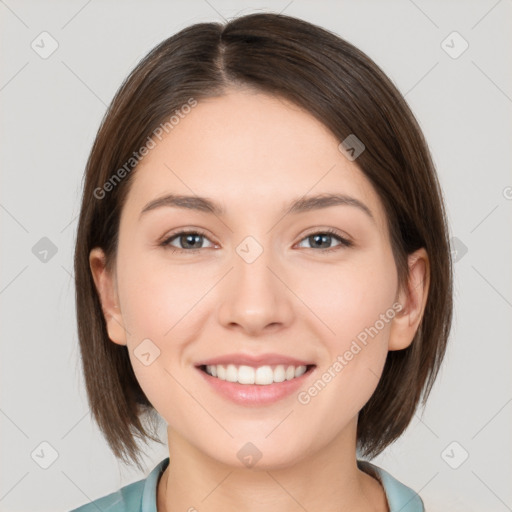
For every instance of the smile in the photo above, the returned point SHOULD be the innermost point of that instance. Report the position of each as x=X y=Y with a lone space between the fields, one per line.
x=261 y=375
x=255 y=386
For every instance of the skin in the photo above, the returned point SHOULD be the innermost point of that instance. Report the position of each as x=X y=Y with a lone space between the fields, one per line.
x=254 y=153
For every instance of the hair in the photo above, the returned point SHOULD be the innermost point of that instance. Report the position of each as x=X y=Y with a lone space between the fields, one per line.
x=345 y=90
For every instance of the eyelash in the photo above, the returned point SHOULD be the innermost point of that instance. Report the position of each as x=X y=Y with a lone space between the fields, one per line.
x=343 y=241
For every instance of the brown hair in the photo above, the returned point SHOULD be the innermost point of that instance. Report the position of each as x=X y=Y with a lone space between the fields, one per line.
x=344 y=89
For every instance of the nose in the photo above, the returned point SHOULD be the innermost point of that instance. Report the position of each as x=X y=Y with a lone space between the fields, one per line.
x=254 y=297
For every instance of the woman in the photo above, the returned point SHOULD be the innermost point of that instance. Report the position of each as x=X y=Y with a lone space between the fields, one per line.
x=262 y=260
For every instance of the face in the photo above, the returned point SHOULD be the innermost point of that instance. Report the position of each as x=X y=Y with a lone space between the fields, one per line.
x=254 y=280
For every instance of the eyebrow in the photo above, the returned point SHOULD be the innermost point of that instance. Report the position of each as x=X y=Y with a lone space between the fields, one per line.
x=300 y=205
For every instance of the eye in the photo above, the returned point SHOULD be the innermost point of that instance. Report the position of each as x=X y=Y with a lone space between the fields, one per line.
x=325 y=237
x=190 y=241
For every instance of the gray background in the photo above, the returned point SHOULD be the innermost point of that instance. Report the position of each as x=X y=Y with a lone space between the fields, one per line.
x=51 y=108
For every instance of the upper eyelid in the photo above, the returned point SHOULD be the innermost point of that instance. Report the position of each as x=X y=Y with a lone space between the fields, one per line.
x=168 y=238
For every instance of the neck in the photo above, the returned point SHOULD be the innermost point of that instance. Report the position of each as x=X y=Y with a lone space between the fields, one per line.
x=328 y=480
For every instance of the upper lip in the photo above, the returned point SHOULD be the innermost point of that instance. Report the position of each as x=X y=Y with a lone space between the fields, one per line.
x=254 y=361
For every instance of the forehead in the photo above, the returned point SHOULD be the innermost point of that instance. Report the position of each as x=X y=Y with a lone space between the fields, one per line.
x=248 y=149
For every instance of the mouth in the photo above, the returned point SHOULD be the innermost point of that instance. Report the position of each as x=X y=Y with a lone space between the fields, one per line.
x=255 y=386
x=255 y=379
x=265 y=375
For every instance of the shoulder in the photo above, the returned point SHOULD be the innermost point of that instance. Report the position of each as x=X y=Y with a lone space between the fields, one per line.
x=138 y=496
x=400 y=497
x=128 y=498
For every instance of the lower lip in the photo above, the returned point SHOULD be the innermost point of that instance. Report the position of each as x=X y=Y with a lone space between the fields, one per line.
x=255 y=394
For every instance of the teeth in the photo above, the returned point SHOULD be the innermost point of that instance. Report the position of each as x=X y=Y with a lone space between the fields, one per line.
x=263 y=375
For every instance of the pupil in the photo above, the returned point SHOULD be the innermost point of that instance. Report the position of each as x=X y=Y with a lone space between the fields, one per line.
x=319 y=238
x=189 y=238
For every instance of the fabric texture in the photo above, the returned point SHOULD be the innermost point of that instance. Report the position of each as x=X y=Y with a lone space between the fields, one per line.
x=140 y=496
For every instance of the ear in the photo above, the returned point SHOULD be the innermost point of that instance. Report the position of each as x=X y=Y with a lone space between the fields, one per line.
x=413 y=300
x=107 y=291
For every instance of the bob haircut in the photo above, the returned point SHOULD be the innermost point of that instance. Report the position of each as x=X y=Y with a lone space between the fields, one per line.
x=346 y=91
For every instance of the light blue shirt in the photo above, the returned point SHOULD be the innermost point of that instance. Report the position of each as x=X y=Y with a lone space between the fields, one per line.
x=140 y=496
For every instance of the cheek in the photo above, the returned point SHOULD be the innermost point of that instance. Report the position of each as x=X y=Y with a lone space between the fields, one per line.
x=354 y=304
x=157 y=296
x=157 y=303
x=162 y=307
x=351 y=296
